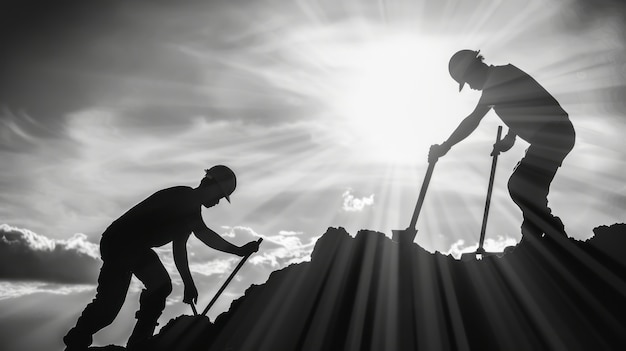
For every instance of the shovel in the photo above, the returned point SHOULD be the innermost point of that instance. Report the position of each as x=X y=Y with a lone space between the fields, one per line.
x=480 y=251
x=219 y=292
x=406 y=236
x=187 y=332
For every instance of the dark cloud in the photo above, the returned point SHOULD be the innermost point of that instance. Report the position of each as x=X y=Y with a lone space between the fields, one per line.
x=157 y=64
x=42 y=44
x=25 y=255
x=601 y=7
x=582 y=14
x=63 y=56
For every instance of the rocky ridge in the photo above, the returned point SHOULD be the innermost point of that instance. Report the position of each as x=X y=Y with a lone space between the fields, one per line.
x=369 y=293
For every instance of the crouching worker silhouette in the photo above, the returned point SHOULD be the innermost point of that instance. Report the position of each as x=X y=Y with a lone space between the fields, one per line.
x=531 y=113
x=169 y=215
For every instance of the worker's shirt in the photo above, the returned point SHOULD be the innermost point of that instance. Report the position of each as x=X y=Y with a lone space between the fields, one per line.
x=523 y=104
x=166 y=215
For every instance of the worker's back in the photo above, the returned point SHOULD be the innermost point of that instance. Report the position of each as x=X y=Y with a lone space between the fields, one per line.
x=521 y=102
x=157 y=220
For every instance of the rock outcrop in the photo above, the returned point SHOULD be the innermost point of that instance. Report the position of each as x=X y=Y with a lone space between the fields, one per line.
x=369 y=293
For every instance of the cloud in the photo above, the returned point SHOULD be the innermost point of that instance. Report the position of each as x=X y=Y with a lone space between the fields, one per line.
x=213 y=267
x=599 y=9
x=44 y=51
x=290 y=250
x=354 y=204
x=276 y=251
x=10 y=290
x=25 y=255
x=241 y=232
x=97 y=53
x=160 y=65
x=288 y=232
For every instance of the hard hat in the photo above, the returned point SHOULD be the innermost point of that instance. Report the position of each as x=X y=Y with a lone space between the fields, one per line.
x=459 y=63
x=224 y=177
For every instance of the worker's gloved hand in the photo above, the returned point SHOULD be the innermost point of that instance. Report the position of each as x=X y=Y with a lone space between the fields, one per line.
x=437 y=151
x=191 y=294
x=503 y=145
x=249 y=248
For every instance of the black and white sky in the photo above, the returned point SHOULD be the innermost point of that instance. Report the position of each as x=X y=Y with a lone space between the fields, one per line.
x=324 y=109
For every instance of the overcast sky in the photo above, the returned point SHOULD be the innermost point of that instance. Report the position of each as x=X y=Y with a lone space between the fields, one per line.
x=325 y=111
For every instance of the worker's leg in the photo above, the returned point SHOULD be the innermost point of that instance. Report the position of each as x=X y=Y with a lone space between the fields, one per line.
x=529 y=186
x=101 y=311
x=158 y=286
x=550 y=148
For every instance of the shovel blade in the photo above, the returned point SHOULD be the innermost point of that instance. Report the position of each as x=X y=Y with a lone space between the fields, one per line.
x=404 y=236
x=471 y=256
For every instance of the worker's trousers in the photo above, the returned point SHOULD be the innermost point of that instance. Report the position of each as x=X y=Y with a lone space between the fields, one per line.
x=529 y=184
x=119 y=264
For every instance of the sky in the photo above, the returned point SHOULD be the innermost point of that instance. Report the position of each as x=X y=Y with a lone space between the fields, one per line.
x=325 y=111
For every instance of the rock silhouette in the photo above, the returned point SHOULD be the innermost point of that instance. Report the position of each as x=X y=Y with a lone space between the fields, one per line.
x=368 y=293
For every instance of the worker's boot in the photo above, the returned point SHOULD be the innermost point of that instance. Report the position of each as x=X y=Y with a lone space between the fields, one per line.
x=77 y=340
x=144 y=329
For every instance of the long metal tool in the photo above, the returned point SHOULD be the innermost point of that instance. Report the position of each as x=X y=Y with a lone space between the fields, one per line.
x=232 y=275
x=492 y=176
x=481 y=250
x=406 y=236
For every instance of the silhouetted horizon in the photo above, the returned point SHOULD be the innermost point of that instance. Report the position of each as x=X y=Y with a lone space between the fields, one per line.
x=325 y=111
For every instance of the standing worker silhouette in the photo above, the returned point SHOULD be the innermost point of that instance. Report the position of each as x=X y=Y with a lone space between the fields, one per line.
x=169 y=215
x=529 y=112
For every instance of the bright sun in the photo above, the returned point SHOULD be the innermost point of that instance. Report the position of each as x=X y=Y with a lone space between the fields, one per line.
x=391 y=96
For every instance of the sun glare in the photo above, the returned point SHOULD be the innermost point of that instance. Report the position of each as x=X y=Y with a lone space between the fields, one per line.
x=391 y=96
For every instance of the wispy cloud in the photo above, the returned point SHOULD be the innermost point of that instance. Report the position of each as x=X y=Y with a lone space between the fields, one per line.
x=25 y=255
x=279 y=250
x=352 y=203
x=10 y=290
x=239 y=232
x=213 y=267
x=289 y=232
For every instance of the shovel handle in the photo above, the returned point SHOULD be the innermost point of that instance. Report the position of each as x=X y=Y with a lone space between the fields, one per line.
x=483 y=227
x=232 y=275
x=420 y=199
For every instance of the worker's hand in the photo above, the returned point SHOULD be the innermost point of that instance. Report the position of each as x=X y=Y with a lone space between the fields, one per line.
x=249 y=248
x=437 y=151
x=503 y=145
x=191 y=294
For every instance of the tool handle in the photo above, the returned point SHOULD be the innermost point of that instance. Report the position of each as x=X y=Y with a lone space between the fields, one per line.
x=420 y=199
x=483 y=227
x=232 y=275
x=498 y=137
x=193 y=308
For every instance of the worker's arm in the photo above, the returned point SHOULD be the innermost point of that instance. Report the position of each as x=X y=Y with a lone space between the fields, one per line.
x=214 y=240
x=465 y=128
x=179 y=248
